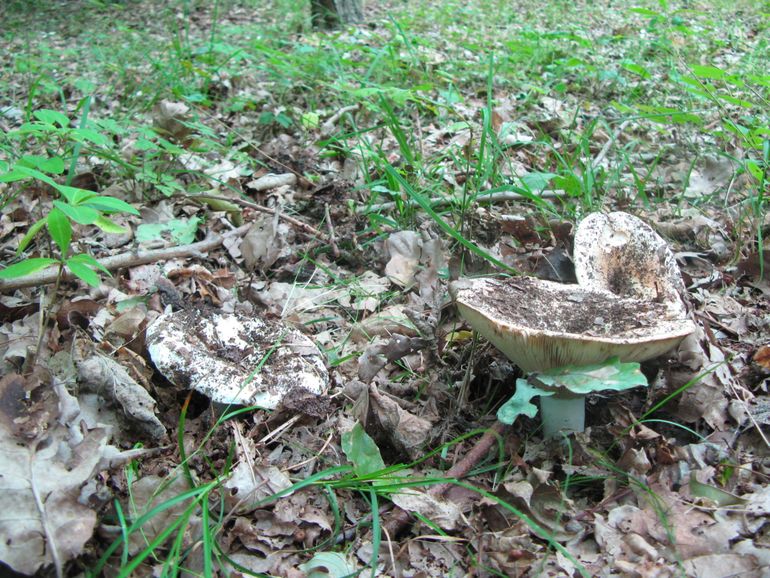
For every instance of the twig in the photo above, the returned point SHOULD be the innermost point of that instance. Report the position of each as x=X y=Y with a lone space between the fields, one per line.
x=606 y=148
x=399 y=519
x=327 y=128
x=128 y=259
x=279 y=431
x=482 y=198
x=330 y=228
x=309 y=229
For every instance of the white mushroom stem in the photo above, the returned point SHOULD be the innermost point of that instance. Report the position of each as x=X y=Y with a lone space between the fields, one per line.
x=564 y=412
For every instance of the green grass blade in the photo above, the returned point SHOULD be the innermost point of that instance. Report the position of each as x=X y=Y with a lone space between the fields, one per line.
x=424 y=203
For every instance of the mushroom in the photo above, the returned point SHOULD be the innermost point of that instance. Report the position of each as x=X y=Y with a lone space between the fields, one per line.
x=235 y=359
x=628 y=304
x=623 y=254
x=564 y=331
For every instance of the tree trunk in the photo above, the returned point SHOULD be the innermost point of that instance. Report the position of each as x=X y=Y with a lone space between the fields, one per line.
x=327 y=14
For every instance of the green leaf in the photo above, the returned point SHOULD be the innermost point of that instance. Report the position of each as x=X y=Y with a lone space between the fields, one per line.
x=53 y=165
x=717 y=495
x=180 y=231
x=34 y=128
x=88 y=134
x=612 y=375
x=33 y=230
x=755 y=170
x=310 y=120
x=83 y=272
x=636 y=69
x=520 y=404
x=52 y=117
x=13 y=176
x=110 y=205
x=644 y=12
x=82 y=215
x=74 y=195
x=109 y=226
x=85 y=259
x=537 y=181
x=34 y=173
x=26 y=267
x=362 y=452
x=737 y=101
x=328 y=565
x=60 y=229
x=711 y=72
x=235 y=212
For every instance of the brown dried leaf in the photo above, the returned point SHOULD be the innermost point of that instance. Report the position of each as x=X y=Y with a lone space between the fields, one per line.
x=105 y=376
x=442 y=512
x=403 y=249
x=390 y=425
x=264 y=243
x=42 y=519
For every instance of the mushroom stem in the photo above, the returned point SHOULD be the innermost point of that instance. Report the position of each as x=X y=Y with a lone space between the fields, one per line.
x=562 y=413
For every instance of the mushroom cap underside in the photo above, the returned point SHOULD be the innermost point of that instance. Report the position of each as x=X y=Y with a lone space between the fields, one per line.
x=541 y=325
x=621 y=253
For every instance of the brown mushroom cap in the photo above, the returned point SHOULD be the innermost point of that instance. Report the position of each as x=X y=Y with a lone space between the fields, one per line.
x=541 y=325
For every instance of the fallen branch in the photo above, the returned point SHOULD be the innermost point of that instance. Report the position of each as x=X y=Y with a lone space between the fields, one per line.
x=327 y=128
x=128 y=259
x=482 y=198
x=310 y=230
x=330 y=228
x=397 y=519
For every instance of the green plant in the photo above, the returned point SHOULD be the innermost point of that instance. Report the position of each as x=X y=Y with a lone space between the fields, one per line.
x=74 y=206
x=568 y=386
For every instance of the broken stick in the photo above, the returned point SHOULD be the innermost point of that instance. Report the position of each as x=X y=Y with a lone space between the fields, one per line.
x=128 y=259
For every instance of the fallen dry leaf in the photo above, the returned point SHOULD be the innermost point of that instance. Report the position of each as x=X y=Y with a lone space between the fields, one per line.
x=43 y=517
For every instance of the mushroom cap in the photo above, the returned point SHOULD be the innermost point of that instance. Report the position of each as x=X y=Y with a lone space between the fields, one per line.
x=621 y=253
x=541 y=325
x=235 y=359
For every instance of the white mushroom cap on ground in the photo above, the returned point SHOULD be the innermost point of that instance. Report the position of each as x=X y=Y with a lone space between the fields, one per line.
x=540 y=325
x=234 y=359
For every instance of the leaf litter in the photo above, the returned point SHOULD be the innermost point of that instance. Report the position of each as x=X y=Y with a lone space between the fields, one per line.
x=622 y=498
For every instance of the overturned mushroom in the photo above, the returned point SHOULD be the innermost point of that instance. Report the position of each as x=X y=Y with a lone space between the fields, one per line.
x=543 y=326
x=234 y=359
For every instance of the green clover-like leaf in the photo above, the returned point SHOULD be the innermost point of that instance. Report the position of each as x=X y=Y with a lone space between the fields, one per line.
x=612 y=375
x=520 y=404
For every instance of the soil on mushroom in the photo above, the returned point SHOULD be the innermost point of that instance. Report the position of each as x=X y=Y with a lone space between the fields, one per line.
x=530 y=303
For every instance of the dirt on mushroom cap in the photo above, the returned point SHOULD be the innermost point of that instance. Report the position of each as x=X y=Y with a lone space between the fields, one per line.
x=544 y=306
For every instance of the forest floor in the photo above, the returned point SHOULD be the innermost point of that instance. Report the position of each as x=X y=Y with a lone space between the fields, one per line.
x=227 y=339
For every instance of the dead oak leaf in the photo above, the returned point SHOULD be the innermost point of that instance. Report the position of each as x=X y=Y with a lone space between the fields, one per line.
x=42 y=518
